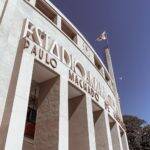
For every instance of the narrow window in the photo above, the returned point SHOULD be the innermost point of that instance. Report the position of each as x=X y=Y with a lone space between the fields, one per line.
x=67 y=29
x=97 y=63
x=107 y=78
x=46 y=10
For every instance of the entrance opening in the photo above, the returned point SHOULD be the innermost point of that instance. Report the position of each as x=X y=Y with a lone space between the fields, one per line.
x=41 y=128
x=114 y=134
x=111 y=123
x=98 y=125
x=78 y=128
x=32 y=111
x=121 y=132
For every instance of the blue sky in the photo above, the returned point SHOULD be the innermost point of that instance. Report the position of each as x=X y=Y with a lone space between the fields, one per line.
x=128 y=25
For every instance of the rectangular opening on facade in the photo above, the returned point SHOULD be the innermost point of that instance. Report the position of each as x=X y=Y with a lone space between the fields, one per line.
x=78 y=127
x=98 y=120
x=114 y=133
x=68 y=30
x=107 y=77
x=41 y=128
x=123 y=139
x=97 y=63
x=43 y=7
x=108 y=80
x=111 y=122
x=121 y=132
x=32 y=111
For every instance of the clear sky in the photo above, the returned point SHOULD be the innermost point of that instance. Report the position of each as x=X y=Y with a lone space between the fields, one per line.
x=128 y=25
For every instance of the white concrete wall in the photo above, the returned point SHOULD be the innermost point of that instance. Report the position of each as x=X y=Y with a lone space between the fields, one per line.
x=11 y=57
x=20 y=10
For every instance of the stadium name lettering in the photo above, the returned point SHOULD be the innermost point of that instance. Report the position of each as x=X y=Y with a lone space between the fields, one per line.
x=83 y=85
x=40 y=53
x=43 y=45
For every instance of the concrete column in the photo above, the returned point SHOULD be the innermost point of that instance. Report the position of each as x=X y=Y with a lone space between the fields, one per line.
x=15 y=133
x=63 y=116
x=3 y=4
x=7 y=6
x=6 y=51
x=109 y=63
x=125 y=142
x=32 y=2
x=116 y=137
x=90 y=123
x=111 y=71
x=102 y=72
x=58 y=21
x=11 y=54
x=102 y=131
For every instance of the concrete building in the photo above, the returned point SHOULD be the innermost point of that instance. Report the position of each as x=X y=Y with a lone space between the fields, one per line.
x=55 y=92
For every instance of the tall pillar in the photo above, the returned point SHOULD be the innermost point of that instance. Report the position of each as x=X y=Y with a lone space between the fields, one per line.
x=8 y=52
x=58 y=21
x=109 y=63
x=125 y=142
x=90 y=123
x=102 y=131
x=15 y=133
x=7 y=7
x=3 y=4
x=111 y=71
x=116 y=137
x=32 y=2
x=63 y=116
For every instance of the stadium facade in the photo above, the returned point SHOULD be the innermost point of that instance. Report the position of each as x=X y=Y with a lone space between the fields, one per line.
x=55 y=92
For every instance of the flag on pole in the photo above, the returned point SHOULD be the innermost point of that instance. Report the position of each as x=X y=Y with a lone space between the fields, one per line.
x=102 y=37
